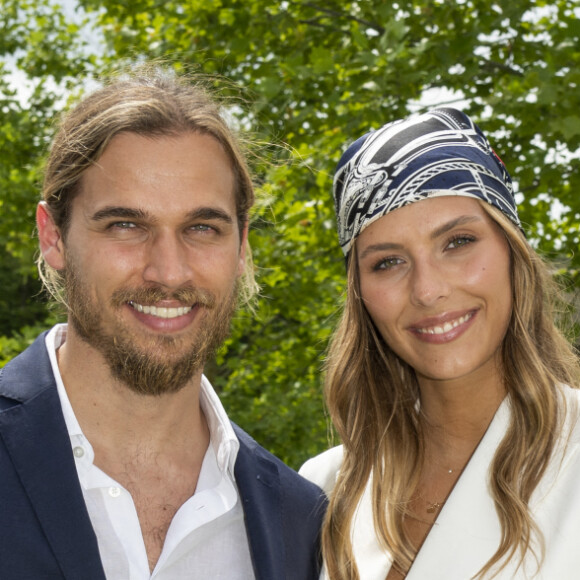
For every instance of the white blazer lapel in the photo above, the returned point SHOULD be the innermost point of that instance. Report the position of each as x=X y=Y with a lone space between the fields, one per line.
x=467 y=531
x=373 y=561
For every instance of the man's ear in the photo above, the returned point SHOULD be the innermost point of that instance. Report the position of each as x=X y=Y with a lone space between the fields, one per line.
x=50 y=238
x=243 y=246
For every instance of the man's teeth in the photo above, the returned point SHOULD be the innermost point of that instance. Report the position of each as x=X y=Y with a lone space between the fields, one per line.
x=161 y=312
x=446 y=327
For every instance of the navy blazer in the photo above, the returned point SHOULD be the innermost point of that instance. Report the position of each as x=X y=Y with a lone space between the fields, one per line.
x=45 y=530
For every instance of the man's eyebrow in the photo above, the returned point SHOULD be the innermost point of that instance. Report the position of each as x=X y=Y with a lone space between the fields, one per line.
x=202 y=213
x=118 y=212
x=210 y=214
x=460 y=221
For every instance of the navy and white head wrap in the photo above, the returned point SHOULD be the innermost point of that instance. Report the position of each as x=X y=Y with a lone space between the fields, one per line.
x=439 y=153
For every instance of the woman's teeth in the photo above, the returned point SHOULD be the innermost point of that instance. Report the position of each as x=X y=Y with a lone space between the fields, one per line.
x=446 y=327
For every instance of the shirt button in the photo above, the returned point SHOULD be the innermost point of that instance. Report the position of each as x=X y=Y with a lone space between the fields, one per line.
x=114 y=491
x=78 y=452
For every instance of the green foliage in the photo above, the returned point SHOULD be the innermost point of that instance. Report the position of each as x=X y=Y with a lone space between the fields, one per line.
x=10 y=346
x=37 y=42
x=270 y=375
x=315 y=76
x=20 y=300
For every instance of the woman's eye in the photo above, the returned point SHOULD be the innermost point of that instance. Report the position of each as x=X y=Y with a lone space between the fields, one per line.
x=460 y=241
x=387 y=263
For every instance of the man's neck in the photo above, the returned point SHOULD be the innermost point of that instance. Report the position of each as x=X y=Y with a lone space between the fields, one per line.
x=124 y=424
x=153 y=446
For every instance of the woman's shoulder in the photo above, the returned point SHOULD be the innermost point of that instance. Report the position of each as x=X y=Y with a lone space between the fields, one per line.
x=324 y=468
x=571 y=405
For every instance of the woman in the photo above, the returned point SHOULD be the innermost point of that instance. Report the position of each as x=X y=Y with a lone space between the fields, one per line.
x=449 y=385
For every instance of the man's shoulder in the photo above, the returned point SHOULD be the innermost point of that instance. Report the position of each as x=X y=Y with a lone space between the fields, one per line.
x=288 y=478
x=323 y=469
x=27 y=374
x=283 y=512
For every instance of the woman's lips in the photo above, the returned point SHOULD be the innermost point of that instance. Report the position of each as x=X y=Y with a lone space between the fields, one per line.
x=447 y=328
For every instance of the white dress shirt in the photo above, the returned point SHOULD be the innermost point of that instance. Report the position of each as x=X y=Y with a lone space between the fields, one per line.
x=207 y=537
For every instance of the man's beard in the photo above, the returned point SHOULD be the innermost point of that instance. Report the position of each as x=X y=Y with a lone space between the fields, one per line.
x=153 y=369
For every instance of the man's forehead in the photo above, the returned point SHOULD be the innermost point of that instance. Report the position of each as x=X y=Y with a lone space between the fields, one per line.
x=184 y=155
x=136 y=171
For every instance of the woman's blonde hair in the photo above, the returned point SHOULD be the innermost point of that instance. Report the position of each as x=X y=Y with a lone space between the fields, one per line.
x=372 y=397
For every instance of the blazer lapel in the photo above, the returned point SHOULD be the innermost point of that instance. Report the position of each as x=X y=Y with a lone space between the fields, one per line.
x=372 y=560
x=467 y=532
x=259 y=485
x=34 y=432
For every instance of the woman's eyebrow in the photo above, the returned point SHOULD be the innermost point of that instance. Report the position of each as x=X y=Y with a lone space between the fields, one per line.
x=379 y=248
x=461 y=220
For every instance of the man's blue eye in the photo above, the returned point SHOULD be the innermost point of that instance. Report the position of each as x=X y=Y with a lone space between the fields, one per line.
x=123 y=225
x=202 y=228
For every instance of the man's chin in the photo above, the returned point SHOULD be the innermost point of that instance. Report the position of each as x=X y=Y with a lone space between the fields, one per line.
x=160 y=347
x=147 y=362
x=148 y=374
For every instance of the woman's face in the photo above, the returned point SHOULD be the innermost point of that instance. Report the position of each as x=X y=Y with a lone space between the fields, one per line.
x=435 y=278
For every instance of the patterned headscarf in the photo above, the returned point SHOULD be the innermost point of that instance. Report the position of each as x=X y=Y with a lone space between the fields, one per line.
x=439 y=153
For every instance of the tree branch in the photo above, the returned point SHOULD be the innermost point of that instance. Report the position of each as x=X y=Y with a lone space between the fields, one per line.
x=532 y=187
x=493 y=65
x=314 y=22
x=340 y=14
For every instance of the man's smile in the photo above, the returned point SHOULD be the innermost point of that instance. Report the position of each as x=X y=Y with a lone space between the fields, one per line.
x=161 y=311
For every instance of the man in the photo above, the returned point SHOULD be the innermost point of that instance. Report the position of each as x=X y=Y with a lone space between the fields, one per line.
x=117 y=459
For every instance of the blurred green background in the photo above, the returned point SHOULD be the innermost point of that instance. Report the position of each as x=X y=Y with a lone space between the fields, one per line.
x=302 y=80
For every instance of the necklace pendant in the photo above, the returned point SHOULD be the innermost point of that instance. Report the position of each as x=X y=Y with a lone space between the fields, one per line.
x=433 y=507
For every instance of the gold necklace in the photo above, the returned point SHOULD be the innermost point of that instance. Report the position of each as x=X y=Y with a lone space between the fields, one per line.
x=435 y=506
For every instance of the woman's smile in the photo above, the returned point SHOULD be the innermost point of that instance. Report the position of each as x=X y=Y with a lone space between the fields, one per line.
x=448 y=328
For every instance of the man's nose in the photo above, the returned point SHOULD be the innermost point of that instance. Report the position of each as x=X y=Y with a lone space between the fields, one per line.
x=168 y=262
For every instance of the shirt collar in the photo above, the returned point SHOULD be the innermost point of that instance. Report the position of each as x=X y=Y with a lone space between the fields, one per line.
x=223 y=439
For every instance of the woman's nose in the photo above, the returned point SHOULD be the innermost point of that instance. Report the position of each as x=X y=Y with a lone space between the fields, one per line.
x=430 y=283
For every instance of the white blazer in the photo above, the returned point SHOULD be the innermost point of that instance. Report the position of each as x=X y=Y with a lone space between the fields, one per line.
x=467 y=531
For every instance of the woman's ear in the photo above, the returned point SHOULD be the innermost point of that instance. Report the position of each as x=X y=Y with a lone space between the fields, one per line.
x=50 y=238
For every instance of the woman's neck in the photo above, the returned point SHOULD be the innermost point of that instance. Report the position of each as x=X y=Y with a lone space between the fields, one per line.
x=455 y=414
